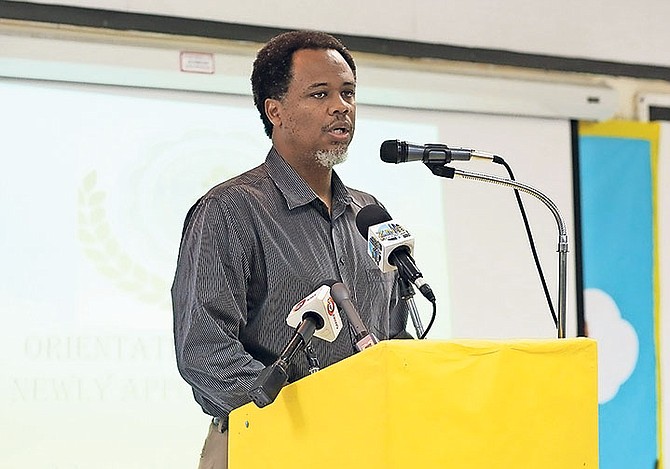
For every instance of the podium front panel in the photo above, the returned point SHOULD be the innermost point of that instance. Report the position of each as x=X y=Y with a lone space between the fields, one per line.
x=432 y=404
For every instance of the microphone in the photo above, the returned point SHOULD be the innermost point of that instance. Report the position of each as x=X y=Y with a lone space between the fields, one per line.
x=396 y=151
x=314 y=315
x=320 y=306
x=362 y=338
x=390 y=245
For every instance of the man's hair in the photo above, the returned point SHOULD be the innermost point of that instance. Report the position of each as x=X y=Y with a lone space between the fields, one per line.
x=272 y=70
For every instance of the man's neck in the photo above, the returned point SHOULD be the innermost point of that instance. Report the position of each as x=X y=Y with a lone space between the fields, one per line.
x=319 y=178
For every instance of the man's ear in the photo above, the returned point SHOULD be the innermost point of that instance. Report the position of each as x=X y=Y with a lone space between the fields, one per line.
x=273 y=111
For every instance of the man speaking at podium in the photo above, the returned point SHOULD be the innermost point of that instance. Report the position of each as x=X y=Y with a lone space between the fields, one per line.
x=255 y=245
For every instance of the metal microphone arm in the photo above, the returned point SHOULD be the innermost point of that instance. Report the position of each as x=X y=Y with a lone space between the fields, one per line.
x=448 y=172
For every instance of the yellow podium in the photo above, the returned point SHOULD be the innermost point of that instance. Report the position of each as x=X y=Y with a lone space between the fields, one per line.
x=465 y=404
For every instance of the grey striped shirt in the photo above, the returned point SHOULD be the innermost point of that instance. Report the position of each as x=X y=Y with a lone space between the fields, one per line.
x=252 y=247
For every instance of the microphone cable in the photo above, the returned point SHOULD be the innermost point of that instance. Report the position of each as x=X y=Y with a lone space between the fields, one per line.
x=432 y=320
x=531 y=241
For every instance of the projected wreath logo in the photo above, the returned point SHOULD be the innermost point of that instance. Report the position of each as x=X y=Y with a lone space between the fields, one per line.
x=103 y=249
x=132 y=235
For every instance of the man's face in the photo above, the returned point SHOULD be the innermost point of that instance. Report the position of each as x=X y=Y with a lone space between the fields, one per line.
x=318 y=112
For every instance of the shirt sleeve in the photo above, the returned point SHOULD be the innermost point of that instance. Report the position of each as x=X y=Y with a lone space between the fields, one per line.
x=210 y=309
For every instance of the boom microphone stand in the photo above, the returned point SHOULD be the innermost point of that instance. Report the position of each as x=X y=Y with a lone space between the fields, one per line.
x=442 y=170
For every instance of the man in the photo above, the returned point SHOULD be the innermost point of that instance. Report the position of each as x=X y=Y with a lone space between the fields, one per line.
x=255 y=245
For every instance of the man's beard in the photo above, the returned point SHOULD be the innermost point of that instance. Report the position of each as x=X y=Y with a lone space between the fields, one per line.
x=329 y=158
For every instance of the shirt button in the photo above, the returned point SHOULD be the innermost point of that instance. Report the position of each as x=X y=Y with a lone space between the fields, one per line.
x=342 y=261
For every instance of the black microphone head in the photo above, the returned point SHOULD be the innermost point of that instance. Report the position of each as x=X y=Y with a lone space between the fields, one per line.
x=370 y=215
x=391 y=152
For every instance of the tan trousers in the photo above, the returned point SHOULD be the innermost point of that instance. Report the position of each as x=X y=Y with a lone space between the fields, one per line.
x=214 y=453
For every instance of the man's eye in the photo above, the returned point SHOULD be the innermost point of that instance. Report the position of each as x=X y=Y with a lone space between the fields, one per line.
x=319 y=94
x=349 y=94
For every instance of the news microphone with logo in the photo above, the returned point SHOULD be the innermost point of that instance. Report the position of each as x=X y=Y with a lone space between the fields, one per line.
x=320 y=306
x=314 y=315
x=396 y=151
x=362 y=338
x=390 y=246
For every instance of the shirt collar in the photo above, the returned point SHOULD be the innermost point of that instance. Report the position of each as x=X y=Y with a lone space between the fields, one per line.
x=294 y=188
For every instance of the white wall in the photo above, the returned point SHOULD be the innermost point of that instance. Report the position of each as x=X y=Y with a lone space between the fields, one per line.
x=615 y=30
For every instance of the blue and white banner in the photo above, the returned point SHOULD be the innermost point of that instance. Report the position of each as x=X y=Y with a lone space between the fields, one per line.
x=617 y=170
